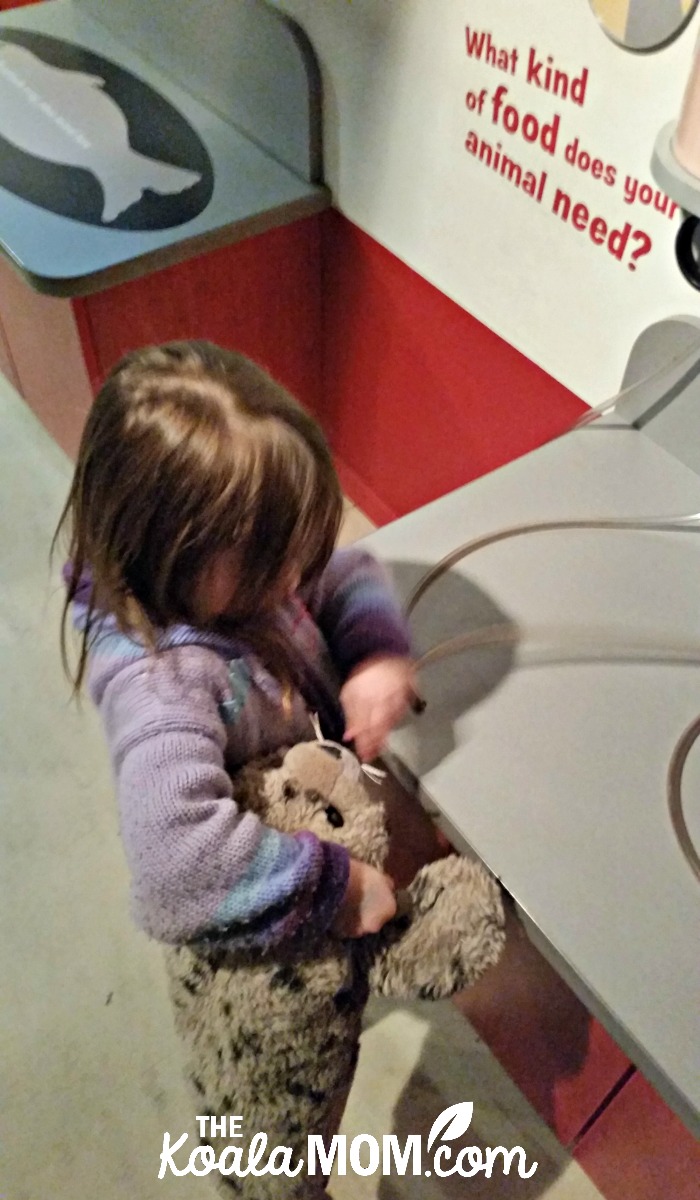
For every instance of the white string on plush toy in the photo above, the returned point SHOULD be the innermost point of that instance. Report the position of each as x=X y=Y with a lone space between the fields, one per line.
x=376 y=774
x=493 y=634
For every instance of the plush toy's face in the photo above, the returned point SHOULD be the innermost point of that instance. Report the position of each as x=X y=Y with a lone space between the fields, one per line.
x=318 y=786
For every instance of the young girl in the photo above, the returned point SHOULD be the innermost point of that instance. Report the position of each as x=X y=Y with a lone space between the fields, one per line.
x=214 y=616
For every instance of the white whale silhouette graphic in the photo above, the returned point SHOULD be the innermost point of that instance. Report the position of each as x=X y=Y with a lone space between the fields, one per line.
x=64 y=116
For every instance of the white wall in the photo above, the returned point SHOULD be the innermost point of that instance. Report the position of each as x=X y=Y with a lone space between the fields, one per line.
x=396 y=74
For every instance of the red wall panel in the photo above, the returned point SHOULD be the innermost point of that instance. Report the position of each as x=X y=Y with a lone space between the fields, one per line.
x=418 y=396
x=562 y=1060
x=44 y=354
x=261 y=296
x=639 y=1150
x=415 y=395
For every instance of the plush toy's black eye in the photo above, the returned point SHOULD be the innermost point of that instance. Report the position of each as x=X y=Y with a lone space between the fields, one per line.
x=289 y=791
x=335 y=818
x=334 y=751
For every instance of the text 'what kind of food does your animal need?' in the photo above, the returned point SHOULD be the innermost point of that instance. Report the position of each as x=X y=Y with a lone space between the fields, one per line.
x=525 y=141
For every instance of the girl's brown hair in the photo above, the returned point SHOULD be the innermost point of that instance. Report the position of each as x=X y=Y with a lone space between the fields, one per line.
x=190 y=449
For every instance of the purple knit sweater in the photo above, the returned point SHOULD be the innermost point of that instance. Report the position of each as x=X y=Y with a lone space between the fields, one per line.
x=178 y=723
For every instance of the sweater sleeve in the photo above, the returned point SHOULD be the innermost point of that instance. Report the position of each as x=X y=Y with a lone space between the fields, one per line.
x=357 y=611
x=201 y=869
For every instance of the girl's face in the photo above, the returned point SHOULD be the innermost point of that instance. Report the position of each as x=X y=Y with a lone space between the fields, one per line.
x=215 y=587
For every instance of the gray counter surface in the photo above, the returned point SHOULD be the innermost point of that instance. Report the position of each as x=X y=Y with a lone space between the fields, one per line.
x=548 y=759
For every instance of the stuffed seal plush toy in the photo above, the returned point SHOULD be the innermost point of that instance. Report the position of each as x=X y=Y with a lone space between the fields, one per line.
x=272 y=1037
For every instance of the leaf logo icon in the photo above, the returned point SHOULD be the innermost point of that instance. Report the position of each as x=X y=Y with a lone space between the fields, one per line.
x=452 y=1122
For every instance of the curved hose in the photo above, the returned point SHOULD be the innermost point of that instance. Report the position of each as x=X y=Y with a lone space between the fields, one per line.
x=493 y=634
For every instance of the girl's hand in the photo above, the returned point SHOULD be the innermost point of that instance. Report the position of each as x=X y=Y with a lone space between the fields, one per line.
x=375 y=697
x=369 y=902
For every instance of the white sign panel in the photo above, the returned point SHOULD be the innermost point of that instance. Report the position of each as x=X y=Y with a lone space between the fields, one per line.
x=501 y=148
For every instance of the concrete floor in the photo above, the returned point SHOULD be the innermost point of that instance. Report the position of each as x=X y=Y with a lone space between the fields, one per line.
x=90 y=1066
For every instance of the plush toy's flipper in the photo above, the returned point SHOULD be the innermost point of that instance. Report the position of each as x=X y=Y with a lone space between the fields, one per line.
x=453 y=932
